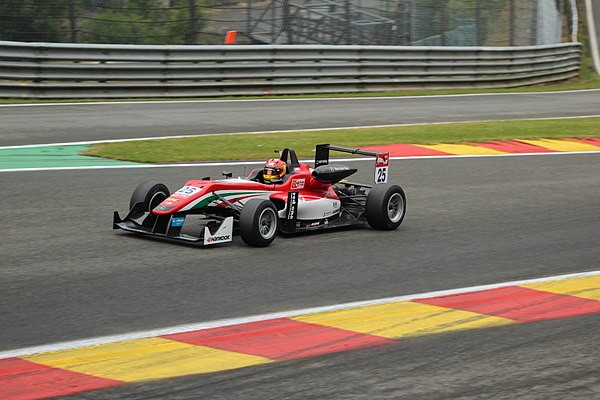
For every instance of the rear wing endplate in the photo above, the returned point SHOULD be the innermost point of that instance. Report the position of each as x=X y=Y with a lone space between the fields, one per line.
x=382 y=159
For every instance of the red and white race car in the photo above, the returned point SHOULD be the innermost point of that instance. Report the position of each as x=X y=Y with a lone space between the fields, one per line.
x=304 y=198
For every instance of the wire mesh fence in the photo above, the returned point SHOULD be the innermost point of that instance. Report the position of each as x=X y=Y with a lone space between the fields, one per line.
x=360 y=22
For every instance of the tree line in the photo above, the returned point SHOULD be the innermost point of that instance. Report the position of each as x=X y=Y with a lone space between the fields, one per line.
x=102 y=21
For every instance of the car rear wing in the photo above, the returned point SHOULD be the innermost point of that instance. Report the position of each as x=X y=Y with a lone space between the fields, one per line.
x=382 y=159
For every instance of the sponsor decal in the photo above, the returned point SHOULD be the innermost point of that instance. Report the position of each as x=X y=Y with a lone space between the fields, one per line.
x=292 y=205
x=222 y=235
x=298 y=183
x=382 y=163
x=338 y=168
x=171 y=201
x=187 y=191
x=383 y=160
x=177 y=221
x=218 y=239
x=313 y=224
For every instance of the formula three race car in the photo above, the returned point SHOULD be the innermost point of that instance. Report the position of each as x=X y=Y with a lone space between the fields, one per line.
x=303 y=198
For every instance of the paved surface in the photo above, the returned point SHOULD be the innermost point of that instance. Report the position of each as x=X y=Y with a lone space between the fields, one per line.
x=469 y=222
x=305 y=334
x=58 y=124
x=66 y=275
x=548 y=360
x=52 y=157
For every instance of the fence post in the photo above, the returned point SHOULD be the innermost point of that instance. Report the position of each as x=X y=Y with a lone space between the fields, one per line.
x=478 y=25
x=402 y=20
x=511 y=22
x=348 y=17
x=534 y=25
x=73 y=20
x=248 y=17
x=444 y=21
x=287 y=22
x=193 y=33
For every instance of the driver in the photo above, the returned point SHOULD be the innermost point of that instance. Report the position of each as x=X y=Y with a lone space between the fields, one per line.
x=274 y=170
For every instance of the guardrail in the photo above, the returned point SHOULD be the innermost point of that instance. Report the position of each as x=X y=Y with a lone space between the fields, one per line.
x=44 y=70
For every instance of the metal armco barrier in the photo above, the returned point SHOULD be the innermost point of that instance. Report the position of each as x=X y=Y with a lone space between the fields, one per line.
x=44 y=70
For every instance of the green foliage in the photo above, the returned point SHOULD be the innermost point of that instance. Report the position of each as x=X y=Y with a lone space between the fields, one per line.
x=140 y=22
x=33 y=20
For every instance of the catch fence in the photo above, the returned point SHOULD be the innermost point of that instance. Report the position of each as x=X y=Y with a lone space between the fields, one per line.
x=326 y=22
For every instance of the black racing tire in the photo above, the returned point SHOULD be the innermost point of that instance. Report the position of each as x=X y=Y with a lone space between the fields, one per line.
x=150 y=193
x=386 y=207
x=259 y=222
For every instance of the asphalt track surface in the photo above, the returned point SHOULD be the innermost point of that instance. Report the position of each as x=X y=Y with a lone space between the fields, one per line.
x=71 y=123
x=551 y=360
x=66 y=275
x=471 y=221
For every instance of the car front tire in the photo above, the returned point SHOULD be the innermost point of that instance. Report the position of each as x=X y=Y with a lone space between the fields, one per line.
x=259 y=222
x=151 y=194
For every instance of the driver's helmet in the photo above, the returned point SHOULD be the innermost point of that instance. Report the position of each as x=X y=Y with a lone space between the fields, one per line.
x=274 y=169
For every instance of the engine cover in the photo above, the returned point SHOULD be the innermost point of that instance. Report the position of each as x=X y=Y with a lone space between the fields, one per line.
x=332 y=173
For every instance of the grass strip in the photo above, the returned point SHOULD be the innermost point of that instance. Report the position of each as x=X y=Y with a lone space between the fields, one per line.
x=260 y=146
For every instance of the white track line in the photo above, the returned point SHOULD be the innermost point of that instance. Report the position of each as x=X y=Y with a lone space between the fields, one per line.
x=90 y=142
x=378 y=98
x=254 y=318
x=237 y=163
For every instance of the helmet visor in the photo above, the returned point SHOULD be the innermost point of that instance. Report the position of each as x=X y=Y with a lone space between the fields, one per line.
x=271 y=173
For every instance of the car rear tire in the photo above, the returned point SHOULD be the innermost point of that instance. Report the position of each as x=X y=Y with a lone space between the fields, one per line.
x=151 y=194
x=259 y=222
x=386 y=207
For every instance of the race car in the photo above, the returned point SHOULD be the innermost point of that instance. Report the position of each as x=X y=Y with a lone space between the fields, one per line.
x=286 y=196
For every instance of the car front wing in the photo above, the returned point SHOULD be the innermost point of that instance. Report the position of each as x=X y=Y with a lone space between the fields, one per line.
x=169 y=226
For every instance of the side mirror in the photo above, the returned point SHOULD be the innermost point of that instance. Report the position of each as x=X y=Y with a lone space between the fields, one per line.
x=227 y=174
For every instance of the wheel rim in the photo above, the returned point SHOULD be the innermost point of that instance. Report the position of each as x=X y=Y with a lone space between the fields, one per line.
x=267 y=223
x=156 y=199
x=395 y=208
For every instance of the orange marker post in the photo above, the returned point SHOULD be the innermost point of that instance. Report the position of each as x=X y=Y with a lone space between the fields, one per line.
x=230 y=37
